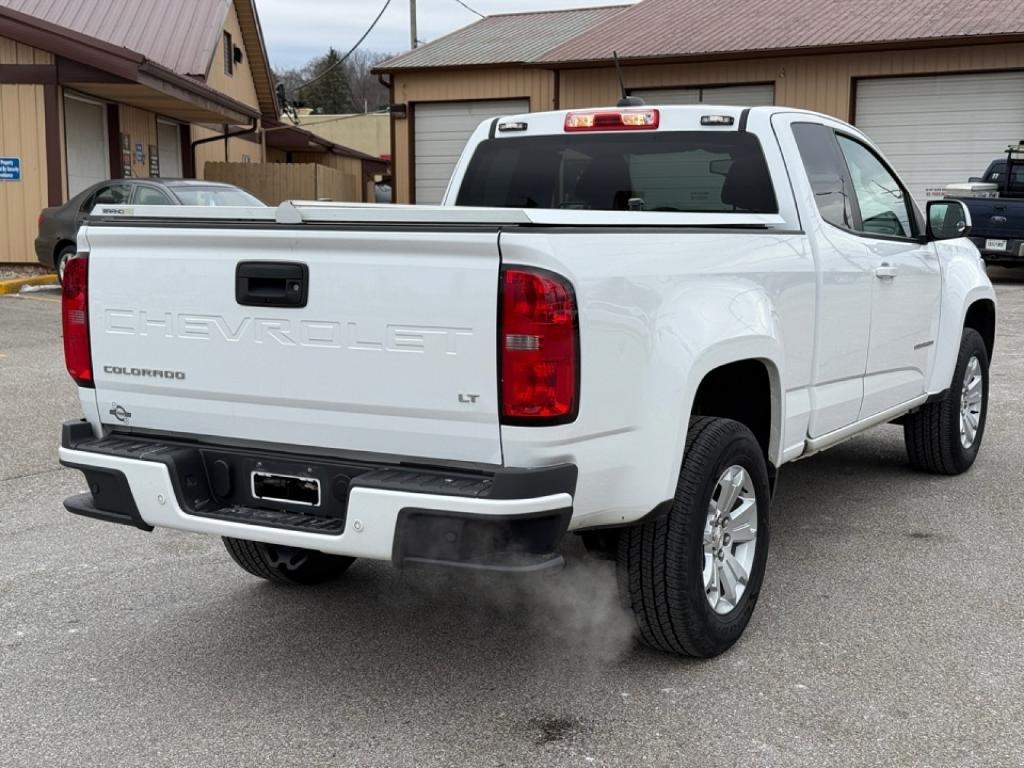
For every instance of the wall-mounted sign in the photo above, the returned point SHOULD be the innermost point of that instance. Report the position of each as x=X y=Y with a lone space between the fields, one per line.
x=140 y=155
x=10 y=169
x=154 y=161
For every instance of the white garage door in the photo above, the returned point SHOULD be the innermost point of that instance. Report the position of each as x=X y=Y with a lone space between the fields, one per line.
x=732 y=95
x=168 y=137
x=442 y=130
x=942 y=129
x=85 y=134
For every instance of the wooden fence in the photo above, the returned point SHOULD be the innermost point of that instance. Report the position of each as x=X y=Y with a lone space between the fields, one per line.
x=275 y=182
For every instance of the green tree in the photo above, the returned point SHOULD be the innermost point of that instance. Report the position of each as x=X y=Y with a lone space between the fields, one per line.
x=332 y=94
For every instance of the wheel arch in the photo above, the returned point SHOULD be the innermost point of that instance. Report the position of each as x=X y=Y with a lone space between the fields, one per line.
x=746 y=388
x=981 y=316
x=968 y=301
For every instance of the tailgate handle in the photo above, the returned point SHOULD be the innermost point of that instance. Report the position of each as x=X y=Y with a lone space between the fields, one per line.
x=271 y=283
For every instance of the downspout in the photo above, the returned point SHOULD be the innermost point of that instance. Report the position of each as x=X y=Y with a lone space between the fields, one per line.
x=224 y=137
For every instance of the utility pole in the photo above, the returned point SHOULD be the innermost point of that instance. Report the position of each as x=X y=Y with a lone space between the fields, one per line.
x=412 y=23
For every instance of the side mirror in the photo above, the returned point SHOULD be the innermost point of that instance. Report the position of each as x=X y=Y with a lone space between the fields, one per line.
x=948 y=219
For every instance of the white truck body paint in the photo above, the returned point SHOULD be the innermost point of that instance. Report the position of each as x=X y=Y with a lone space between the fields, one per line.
x=404 y=301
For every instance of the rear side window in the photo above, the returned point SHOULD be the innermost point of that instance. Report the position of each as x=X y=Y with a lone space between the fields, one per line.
x=827 y=172
x=150 y=196
x=691 y=171
x=115 y=194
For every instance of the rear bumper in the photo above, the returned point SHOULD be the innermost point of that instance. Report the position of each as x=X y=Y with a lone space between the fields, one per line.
x=1014 y=253
x=506 y=519
x=44 y=252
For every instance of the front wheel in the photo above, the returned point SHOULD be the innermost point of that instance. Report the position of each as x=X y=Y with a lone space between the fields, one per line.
x=692 y=577
x=286 y=565
x=944 y=437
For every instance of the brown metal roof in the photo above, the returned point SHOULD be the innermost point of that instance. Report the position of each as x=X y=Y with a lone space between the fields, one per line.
x=120 y=74
x=180 y=35
x=514 y=38
x=694 y=28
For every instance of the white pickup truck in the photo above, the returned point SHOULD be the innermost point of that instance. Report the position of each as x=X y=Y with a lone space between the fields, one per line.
x=621 y=323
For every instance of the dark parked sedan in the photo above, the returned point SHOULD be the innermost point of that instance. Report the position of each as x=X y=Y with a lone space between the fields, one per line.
x=59 y=226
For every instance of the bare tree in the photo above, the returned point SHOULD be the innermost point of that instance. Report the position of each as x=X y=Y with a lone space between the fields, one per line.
x=367 y=93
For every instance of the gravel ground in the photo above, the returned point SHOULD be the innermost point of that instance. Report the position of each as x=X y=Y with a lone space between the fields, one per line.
x=8 y=271
x=889 y=633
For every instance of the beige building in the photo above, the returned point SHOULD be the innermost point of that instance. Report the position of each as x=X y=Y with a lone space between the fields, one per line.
x=369 y=133
x=942 y=93
x=110 y=90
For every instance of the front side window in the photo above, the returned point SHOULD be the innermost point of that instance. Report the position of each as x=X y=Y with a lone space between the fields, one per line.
x=826 y=172
x=686 y=171
x=884 y=205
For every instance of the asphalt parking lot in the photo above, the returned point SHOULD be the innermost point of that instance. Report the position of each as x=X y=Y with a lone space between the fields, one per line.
x=890 y=631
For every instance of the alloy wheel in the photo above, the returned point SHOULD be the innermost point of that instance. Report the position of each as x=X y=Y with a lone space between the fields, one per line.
x=970 y=402
x=730 y=538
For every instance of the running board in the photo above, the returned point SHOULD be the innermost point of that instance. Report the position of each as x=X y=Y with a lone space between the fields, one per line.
x=816 y=444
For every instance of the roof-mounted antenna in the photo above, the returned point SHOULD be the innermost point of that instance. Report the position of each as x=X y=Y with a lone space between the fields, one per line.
x=626 y=100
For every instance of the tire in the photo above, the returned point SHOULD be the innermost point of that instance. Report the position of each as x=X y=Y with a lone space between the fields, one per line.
x=286 y=565
x=935 y=440
x=662 y=564
x=61 y=261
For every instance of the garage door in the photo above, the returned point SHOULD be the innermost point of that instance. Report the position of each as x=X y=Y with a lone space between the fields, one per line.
x=943 y=129
x=442 y=130
x=85 y=134
x=732 y=95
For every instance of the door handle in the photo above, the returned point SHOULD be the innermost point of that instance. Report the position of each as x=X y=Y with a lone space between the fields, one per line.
x=885 y=272
x=271 y=284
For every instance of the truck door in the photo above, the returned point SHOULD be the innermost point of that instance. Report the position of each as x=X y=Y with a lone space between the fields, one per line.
x=906 y=288
x=845 y=275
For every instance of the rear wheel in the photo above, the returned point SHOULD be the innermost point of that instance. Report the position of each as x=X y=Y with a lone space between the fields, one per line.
x=944 y=436
x=61 y=262
x=692 y=577
x=286 y=565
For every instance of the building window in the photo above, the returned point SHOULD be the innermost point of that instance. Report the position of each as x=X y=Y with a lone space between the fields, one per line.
x=229 y=55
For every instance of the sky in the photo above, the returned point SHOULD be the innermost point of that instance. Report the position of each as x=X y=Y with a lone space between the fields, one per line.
x=297 y=30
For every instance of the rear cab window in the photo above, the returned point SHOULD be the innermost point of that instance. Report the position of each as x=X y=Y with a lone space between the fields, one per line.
x=676 y=171
x=1012 y=186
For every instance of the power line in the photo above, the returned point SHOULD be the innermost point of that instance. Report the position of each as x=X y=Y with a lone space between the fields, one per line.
x=351 y=50
x=471 y=10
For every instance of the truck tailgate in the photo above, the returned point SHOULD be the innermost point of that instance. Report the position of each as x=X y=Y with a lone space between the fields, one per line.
x=394 y=351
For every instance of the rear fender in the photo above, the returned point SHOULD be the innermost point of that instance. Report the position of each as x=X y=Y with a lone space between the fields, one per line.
x=747 y=331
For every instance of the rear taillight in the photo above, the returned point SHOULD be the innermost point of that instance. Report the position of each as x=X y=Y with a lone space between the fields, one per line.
x=538 y=342
x=75 y=319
